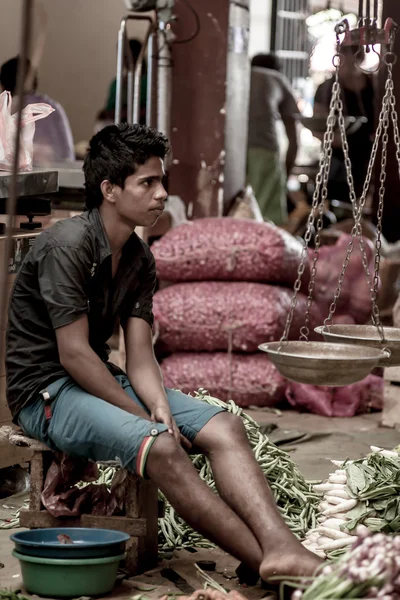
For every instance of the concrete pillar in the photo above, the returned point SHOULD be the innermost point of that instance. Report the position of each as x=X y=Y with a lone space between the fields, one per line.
x=210 y=86
x=237 y=99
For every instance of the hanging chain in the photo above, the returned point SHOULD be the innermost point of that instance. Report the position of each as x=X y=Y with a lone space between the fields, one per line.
x=391 y=112
x=358 y=210
x=320 y=195
x=305 y=331
x=317 y=207
x=395 y=118
x=390 y=59
x=382 y=179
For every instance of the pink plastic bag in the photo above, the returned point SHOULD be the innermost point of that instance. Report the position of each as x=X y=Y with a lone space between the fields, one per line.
x=345 y=401
x=8 y=125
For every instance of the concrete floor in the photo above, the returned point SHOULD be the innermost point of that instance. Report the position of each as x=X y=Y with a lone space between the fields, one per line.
x=311 y=441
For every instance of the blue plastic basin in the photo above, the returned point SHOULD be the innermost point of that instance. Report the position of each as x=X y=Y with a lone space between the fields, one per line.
x=87 y=543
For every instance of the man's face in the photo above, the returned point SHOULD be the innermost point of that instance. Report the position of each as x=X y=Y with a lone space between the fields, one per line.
x=141 y=202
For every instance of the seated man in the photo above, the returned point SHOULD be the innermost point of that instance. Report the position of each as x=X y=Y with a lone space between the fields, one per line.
x=82 y=275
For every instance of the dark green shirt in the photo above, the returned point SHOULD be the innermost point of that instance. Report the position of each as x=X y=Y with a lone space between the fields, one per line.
x=67 y=274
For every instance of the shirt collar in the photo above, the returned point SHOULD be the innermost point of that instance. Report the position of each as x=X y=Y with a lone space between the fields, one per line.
x=133 y=246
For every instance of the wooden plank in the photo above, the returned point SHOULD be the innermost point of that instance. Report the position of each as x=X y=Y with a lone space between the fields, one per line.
x=13 y=455
x=37 y=481
x=2 y=348
x=134 y=527
x=148 y=509
x=5 y=415
x=22 y=242
x=9 y=455
x=391 y=406
x=9 y=284
x=142 y=502
x=35 y=519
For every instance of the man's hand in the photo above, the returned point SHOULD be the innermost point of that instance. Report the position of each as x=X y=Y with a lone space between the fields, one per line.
x=162 y=414
x=145 y=376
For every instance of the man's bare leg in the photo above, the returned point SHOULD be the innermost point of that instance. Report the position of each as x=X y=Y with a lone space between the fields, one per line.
x=171 y=469
x=242 y=484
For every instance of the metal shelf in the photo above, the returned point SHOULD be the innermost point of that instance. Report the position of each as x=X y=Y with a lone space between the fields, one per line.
x=33 y=183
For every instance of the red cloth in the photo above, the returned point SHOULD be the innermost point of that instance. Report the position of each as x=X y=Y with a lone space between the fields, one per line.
x=62 y=498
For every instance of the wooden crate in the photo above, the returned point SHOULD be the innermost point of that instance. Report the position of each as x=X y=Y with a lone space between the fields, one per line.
x=391 y=403
x=140 y=520
x=9 y=455
x=5 y=415
x=22 y=241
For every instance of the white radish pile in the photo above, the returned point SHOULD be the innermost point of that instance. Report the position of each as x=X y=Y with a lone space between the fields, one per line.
x=335 y=505
x=327 y=536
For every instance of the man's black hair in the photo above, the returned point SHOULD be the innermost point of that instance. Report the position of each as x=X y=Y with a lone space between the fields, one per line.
x=266 y=61
x=115 y=153
x=9 y=71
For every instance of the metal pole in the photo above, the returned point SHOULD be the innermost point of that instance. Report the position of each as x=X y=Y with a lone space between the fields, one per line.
x=274 y=21
x=376 y=11
x=149 y=98
x=26 y=32
x=138 y=71
x=164 y=84
x=360 y=11
x=120 y=69
x=130 y=83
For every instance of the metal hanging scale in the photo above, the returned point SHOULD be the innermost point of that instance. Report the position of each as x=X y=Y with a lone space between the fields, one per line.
x=349 y=352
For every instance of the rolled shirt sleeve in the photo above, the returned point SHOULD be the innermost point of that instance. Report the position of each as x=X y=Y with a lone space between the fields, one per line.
x=142 y=303
x=63 y=274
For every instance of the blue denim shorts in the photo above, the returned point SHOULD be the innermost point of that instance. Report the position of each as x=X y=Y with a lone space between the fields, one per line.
x=82 y=425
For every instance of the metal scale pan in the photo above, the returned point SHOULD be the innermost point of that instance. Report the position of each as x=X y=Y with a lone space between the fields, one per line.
x=321 y=363
x=365 y=335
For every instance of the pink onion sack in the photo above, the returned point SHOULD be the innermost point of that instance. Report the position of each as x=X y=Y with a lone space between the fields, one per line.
x=215 y=315
x=355 y=298
x=8 y=127
x=228 y=249
x=247 y=379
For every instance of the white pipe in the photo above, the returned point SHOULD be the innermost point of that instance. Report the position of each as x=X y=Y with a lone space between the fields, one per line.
x=164 y=83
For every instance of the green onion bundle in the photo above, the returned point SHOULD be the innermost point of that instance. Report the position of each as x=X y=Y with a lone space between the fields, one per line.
x=371 y=569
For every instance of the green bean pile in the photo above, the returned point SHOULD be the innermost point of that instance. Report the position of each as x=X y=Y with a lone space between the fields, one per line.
x=10 y=595
x=295 y=499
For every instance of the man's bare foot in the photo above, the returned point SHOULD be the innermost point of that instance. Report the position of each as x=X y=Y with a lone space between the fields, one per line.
x=289 y=563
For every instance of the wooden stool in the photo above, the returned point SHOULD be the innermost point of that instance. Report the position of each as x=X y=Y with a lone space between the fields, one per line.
x=141 y=509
